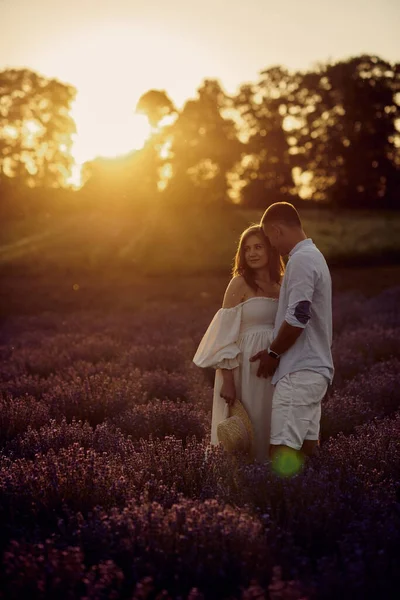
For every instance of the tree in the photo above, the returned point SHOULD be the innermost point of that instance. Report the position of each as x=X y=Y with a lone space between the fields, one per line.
x=347 y=132
x=267 y=165
x=203 y=147
x=156 y=105
x=35 y=128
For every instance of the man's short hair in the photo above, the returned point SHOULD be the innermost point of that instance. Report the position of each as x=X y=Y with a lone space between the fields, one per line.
x=282 y=212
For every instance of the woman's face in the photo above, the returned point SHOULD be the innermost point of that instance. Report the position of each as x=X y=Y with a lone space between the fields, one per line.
x=255 y=252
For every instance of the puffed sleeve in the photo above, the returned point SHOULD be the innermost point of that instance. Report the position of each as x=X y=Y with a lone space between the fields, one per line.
x=219 y=348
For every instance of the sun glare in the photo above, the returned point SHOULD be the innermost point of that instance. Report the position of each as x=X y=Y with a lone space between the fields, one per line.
x=112 y=64
x=114 y=136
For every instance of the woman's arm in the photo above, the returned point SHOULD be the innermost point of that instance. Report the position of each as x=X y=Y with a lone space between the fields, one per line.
x=235 y=294
x=228 y=388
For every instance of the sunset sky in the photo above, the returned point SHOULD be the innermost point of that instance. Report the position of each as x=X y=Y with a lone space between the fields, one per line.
x=112 y=51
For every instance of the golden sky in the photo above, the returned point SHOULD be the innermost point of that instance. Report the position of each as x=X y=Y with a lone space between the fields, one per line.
x=115 y=50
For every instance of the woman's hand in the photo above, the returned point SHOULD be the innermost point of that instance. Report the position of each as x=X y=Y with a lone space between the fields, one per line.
x=228 y=389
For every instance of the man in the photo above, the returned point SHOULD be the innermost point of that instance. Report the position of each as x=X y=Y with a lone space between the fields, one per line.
x=299 y=358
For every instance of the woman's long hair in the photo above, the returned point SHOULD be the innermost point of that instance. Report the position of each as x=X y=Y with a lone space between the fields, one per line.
x=276 y=265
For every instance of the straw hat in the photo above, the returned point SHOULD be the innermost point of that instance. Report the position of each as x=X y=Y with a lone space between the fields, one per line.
x=235 y=432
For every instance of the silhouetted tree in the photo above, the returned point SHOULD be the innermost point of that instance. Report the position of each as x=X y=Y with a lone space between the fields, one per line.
x=35 y=128
x=203 y=147
x=334 y=125
x=347 y=131
x=156 y=105
x=266 y=167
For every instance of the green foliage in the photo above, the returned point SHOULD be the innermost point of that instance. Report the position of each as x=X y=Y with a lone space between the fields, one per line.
x=266 y=168
x=35 y=128
x=346 y=133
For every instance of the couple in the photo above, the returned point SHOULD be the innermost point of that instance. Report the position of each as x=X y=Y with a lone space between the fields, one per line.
x=271 y=340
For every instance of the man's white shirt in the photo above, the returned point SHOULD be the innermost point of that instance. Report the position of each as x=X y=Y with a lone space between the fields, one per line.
x=305 y=301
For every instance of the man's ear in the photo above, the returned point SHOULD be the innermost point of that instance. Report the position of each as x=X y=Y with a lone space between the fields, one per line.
x=277 y=228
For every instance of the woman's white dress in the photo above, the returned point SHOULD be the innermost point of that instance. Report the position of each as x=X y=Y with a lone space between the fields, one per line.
x=233 y=336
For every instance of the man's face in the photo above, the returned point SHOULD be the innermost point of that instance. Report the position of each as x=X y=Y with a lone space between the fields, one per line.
x=275 y=235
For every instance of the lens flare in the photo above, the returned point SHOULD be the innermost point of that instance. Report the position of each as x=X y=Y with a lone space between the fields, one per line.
x=287 y=462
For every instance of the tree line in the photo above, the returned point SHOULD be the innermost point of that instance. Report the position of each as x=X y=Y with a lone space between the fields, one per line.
x=330 y=135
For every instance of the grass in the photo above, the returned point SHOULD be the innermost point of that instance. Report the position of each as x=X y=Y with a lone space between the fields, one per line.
x=188 y=241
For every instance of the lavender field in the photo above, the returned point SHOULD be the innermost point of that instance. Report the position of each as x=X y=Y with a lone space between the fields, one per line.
x=106 y=491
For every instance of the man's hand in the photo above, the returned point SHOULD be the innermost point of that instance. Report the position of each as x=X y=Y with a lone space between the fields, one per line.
x=268 y=364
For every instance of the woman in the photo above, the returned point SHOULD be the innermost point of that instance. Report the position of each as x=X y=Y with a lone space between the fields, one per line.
x=241 y=328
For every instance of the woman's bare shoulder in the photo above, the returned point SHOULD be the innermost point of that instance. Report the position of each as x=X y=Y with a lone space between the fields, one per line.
x=235 y=292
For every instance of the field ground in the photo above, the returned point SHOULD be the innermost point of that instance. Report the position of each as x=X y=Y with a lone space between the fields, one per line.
x=96 y=359
x=22 y=293
x=104 y=421
x=115 y=260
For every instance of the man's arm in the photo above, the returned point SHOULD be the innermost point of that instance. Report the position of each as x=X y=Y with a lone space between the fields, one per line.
x=297 y=316
x=298 y=313
x=287 y=336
